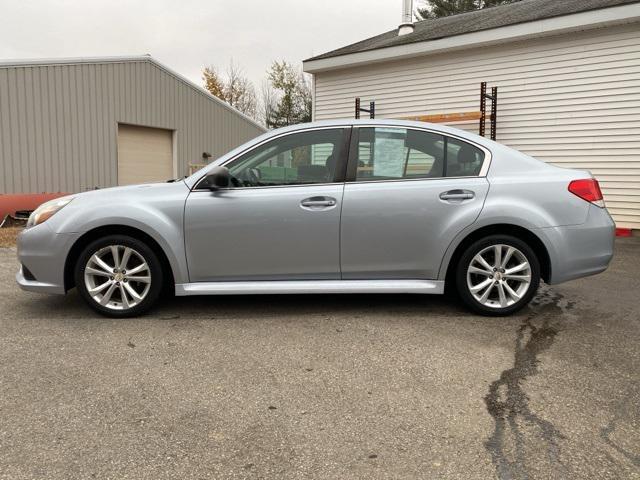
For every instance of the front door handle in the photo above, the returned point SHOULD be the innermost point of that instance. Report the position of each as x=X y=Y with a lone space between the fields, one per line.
x=318 y=202
x=457 y=195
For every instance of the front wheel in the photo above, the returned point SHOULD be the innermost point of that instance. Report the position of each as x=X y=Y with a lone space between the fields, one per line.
x=498 y=275
x=119 y=276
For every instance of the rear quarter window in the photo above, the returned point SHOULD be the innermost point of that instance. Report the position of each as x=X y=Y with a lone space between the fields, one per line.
x=463 y=159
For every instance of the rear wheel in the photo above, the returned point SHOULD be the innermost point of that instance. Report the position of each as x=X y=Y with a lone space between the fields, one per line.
x=119 y=276
x=498 y=275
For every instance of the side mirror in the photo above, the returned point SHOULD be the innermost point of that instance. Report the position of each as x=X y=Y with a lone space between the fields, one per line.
x=219 y=177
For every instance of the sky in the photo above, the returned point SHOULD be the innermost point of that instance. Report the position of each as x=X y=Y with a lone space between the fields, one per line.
x=187 y=35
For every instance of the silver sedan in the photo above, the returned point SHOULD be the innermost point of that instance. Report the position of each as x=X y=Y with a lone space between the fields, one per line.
x=331 y=207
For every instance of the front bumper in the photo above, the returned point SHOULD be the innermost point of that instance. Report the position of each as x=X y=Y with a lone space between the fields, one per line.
x=580 y=250
x=43 y=252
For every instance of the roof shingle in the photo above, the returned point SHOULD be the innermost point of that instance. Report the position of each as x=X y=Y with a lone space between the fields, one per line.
x=478 y=20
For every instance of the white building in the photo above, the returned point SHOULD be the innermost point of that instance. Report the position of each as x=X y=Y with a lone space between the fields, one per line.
x=568 y=74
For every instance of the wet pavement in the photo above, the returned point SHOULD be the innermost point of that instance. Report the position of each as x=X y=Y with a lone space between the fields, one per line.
x=340 y=387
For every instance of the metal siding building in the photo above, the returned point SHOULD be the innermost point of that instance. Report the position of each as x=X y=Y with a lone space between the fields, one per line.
x=61 y=121
x=570 y=96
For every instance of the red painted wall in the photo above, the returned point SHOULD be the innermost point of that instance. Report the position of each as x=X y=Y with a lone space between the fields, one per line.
x=9 y=204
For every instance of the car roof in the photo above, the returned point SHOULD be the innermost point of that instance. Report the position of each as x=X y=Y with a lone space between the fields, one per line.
x=387 y=122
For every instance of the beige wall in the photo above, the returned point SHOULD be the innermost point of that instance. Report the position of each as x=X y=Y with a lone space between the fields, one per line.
x=59 y=122
x=573 y=100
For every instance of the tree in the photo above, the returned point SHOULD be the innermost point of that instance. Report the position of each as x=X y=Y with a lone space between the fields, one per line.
x=234 y=88
x=290 y=96
x=444 y=8
x=268 y=102
x=240 y=91
x=213 y=83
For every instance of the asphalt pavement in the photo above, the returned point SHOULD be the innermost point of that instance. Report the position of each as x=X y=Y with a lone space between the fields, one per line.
x=324 y=387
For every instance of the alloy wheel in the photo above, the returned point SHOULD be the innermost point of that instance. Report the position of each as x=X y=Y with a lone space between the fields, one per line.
x=499 y=276
x=117 y=277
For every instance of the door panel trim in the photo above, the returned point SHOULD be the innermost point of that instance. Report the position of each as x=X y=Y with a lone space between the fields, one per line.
x=310 y=286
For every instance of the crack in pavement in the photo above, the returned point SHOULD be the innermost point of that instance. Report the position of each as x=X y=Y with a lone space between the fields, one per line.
x=507 y=402
x=611 y=427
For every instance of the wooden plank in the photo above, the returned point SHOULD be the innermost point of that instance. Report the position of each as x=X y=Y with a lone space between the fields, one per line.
x=447 y=117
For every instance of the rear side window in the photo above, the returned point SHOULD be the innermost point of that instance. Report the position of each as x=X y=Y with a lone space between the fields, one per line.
x=395 y=153
x=398 y=153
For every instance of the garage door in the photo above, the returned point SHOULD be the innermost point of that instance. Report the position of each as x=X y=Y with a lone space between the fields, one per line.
x=144 y=154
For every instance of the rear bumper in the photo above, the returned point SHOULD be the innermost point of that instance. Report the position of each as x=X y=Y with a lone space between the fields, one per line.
x=43 y=252
x=580 y=250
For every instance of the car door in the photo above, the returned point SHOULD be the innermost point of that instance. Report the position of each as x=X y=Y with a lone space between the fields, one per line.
x=408 y=193
x=280 y=220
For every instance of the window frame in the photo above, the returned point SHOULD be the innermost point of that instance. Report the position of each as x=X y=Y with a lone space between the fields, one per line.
x=352 y=167
x=341 y=163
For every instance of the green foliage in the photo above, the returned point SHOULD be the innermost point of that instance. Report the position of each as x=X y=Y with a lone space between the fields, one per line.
x=444 y=8
x=285 y=93
x=292 y=102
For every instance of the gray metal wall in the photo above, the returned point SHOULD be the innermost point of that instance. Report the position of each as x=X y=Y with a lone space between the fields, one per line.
x=58 y=122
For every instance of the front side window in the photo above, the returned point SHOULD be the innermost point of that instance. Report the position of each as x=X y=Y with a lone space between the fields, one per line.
x=398 y=153
x=296 y=159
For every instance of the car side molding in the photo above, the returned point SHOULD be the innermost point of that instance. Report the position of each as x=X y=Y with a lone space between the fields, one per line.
x=310 y=286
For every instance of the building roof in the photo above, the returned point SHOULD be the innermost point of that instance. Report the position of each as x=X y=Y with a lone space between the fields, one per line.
x=486 y=19
x=127 y=59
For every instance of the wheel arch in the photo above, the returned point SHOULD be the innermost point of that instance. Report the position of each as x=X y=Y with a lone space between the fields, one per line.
x=105 y=230
x=517 y=231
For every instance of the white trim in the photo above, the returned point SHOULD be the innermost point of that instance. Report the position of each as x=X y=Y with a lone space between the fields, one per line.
x=313 y=98
x=580 y=21
x=174 y=147
x=126 y=59
x=310 y=286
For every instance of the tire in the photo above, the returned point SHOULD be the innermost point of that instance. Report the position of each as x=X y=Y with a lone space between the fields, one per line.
x=512 y=285
x=124 y=293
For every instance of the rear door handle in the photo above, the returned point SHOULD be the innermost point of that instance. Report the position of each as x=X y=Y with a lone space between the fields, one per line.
x=318 y=202
x=457 y=195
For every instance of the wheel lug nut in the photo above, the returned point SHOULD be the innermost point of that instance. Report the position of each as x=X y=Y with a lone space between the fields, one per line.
x=115 y=270
x=112 y=278
x=125 y=280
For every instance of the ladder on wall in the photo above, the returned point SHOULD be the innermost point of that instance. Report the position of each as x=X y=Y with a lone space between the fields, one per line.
x=482 y=115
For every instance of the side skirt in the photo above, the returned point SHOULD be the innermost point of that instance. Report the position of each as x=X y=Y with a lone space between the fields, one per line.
x=313 y=286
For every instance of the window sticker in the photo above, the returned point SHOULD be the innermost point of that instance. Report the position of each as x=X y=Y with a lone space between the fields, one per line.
x=389 y=152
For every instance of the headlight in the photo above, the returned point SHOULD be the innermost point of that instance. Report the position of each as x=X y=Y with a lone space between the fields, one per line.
x=47 y=210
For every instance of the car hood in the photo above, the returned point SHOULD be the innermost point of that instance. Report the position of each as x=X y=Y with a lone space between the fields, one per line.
x=139 y=189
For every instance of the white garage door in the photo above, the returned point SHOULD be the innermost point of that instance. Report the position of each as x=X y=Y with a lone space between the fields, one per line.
x=144 y=154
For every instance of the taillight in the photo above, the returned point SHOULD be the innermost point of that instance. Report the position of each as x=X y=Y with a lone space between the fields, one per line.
x=589 y=190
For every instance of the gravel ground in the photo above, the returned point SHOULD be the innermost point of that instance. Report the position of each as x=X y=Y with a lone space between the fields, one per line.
x=324 y=386
x=8 y=236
